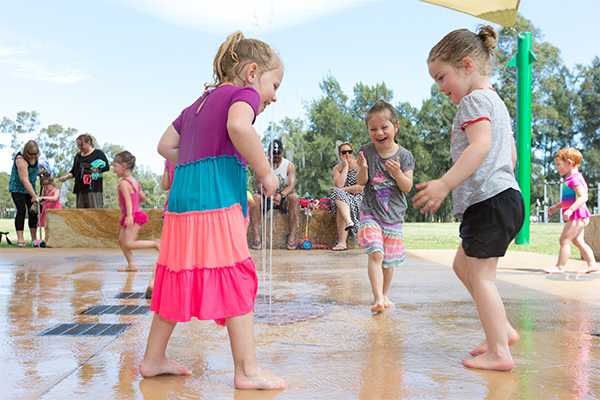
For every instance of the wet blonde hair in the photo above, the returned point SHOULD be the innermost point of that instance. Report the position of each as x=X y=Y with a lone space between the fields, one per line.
x=127 y=158
x=570 y=153
x=461 y=43
x=236 y=53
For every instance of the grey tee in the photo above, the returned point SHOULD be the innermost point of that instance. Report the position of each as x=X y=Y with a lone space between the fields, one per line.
x=495 y=174
x=383 y=199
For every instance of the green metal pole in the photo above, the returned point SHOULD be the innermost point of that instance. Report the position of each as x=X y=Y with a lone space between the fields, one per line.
x=523 y=61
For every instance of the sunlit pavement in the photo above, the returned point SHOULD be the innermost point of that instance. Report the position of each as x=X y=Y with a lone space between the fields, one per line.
x=313 y=327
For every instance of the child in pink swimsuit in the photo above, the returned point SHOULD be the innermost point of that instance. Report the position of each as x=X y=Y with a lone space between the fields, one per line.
x=574 y=212
x=50 y=197
x=130 y=196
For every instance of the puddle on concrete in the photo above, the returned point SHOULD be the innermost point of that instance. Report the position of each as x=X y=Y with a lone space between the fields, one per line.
x=333 y=347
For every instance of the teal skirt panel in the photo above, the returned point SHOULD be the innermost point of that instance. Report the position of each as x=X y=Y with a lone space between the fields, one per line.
x=211 y=183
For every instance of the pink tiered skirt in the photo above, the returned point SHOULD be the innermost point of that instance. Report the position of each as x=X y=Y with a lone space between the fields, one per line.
x=204 y=268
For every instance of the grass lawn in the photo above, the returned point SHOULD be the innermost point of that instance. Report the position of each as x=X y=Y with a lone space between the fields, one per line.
x=543 y=239
x=417 y=235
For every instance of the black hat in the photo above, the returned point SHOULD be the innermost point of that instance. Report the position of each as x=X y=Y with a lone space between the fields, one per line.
x=276 y=147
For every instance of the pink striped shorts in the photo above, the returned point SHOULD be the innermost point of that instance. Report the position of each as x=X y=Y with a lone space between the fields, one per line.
x=386 y=238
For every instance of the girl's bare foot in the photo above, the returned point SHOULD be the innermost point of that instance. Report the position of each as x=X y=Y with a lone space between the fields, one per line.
x=589 y=269
x=378 y=307
x=260 y=380
x=555 y=270
x=167 y=367
x=387 y=303
x=129 y=268
x=513 y=337
x=489 y=362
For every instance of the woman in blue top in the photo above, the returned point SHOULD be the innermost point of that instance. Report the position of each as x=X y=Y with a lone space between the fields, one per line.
x=22 y=189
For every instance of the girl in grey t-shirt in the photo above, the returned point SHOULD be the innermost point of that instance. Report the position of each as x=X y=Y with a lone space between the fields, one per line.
x=386 y=172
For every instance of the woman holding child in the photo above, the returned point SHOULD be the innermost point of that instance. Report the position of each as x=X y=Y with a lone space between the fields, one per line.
x=346 y=196
x=22 y=189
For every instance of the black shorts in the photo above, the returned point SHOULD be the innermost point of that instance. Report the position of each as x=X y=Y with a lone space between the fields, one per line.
x=488 y=227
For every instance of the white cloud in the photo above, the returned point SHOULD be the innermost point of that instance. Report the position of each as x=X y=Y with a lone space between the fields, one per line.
x=225 y=16
x=24 y=60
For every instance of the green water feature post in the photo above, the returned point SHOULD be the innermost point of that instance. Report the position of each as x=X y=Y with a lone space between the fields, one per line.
x=523 y=61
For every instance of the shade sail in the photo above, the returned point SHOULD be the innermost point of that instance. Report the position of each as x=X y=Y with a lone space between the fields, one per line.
x=503 y=12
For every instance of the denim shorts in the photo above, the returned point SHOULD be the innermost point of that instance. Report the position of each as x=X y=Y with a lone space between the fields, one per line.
x=488 y=227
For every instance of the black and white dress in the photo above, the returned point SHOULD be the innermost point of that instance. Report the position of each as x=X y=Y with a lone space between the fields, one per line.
x=353 y=200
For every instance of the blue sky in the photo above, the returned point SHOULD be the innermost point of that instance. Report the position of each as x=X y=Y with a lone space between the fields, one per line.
x=123 y=70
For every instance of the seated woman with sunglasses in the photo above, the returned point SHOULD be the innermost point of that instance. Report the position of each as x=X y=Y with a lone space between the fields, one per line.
x=346 y=196
x=22 y=189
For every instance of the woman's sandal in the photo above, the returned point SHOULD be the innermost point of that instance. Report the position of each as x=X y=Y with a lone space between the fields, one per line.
x=20 y=244
x=340 y=248
x=288 y=245
x=349 y=227
x=256 y=245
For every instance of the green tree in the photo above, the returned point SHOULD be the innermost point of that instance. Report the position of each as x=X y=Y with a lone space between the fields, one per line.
x=433 y=126
x=5 y=197
x=59 y=146
x=25 y=123
x=588 y=123
x=554 y=101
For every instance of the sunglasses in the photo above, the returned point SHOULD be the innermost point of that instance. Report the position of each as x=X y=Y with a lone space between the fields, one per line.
x=344 y=152
x=33 y=154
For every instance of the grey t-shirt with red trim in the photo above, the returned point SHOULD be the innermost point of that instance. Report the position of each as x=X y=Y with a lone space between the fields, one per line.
x=382 y=198
x=495 y=174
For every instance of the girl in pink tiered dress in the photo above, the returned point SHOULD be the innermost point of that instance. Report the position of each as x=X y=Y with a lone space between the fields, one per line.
x=204 y=269
x=130 y=196
x=50 y=197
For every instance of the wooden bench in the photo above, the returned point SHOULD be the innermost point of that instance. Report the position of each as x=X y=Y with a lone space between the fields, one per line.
x=592 y=235
x=99 y=228
x=322 y=230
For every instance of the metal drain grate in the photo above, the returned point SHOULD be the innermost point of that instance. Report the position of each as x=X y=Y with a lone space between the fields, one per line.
x=85 y=330
x=130 y=295
x=117 y=310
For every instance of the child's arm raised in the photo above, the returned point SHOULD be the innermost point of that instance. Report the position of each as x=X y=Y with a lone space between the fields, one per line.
x=362 y=176
x=432 y=193
x=404 y=180
x=246 y=141
x=168 y=146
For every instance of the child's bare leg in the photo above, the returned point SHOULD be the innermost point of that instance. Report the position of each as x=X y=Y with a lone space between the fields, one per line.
x=130 y=243
x=150 y=287
x=460 y=268
x=482 y=275
x=388 y=273
x=131 y=266
x=376 y=277
x=155 y=360
x=566 y=237
x=248 y=375
x=586 y=251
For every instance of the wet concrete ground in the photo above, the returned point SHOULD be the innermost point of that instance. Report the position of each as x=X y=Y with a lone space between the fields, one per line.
x=327 y=344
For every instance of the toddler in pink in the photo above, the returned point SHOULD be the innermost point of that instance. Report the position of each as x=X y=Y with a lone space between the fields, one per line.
x=574 y=211
x=130 y=196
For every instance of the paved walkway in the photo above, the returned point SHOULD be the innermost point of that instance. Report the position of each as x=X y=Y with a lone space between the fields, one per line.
x=317 y=331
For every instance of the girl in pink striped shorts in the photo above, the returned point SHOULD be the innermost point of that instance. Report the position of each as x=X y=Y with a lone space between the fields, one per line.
x=385 y=169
